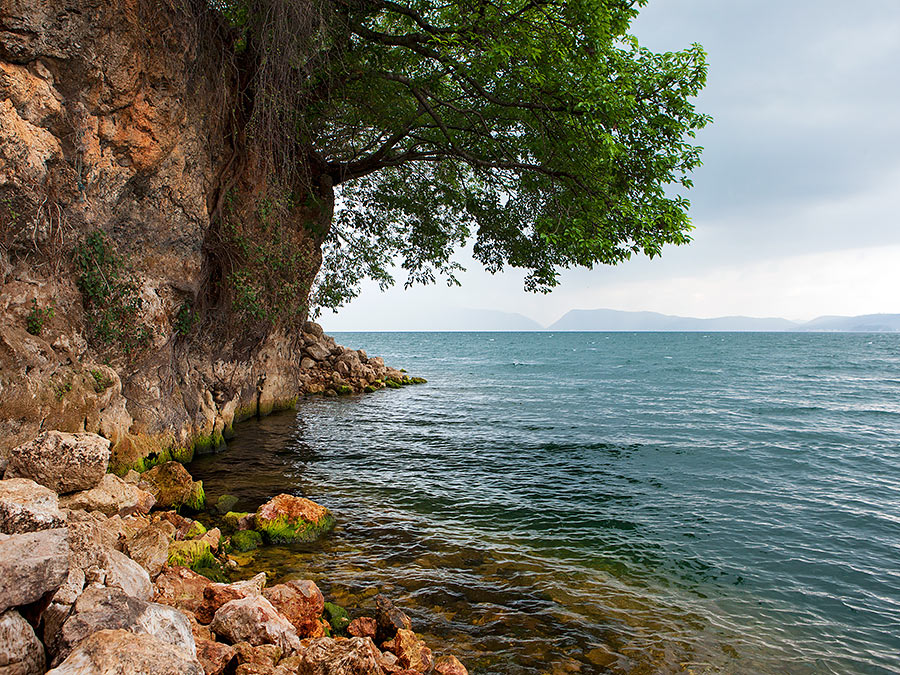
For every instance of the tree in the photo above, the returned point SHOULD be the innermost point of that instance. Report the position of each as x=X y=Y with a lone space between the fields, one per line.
x=540 y=128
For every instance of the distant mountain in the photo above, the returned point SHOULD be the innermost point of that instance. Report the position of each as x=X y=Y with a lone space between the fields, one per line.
x=614 y=320
x=466 y=319
x=866 y=323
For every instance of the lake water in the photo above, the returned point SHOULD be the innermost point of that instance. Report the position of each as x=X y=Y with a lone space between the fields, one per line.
x=607 y=502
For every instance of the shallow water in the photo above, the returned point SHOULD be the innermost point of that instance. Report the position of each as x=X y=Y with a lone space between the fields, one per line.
x=607 y=502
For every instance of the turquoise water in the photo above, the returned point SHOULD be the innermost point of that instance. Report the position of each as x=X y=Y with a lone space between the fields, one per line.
x=609 y=502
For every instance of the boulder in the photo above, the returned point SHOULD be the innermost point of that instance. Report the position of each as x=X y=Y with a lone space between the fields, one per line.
x=318 y=351
x=314 y=329
x=287 y=518
x=149 y=548
x=239 y=520
x=191 y=553
x=90 y=536
x=122 y=652
x=26 y=506
x=246 y=540
x=31 y=565
x=172 y=486
x=341 y=656
x=364 y=626
x=215 y=656
x=449 y=665
x=60 y=461
x=99 y=608
x=261 y=655
x=388 y=619
x=411 y=651
x=123 y=572
x=254 y=620
x=182 y=588
x=21 y=653
x=300 y=602
x=306 y=363
x=112 y=496
x=215 y=595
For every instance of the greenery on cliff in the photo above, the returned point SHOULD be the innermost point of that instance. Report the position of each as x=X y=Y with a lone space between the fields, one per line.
x=539 y=129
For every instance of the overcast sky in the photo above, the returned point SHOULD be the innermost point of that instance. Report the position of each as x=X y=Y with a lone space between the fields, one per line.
x=796 y=207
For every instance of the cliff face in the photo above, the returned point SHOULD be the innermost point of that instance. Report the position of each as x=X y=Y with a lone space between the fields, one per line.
x=112 y=158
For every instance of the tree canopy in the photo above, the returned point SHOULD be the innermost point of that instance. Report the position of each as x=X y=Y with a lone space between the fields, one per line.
x=538 y=130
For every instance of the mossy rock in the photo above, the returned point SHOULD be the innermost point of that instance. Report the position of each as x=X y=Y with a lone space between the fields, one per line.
x=197 y=529
x=204 y=444
x=284 y=531
x=232 y=520
x=287 y=519
x=246 y=540
x=192 y=553
x=225 y=504
x=214 y=573
x=337 y=618
x=392 y=384
x=343 y=389
x=197 y=498
x=370 y=389
x=418 y=380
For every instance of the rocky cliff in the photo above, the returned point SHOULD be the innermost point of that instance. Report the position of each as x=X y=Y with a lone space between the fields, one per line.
x=129 y=304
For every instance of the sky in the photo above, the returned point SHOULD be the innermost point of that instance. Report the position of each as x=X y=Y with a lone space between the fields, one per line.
x=796 y=205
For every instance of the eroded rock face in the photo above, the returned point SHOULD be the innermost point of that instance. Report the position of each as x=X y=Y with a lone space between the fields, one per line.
x=300 y=602
x=26 y=506
x=21 y=653
x=31 y=565
x=255 y=620
x=60 y=461
x=125 y=653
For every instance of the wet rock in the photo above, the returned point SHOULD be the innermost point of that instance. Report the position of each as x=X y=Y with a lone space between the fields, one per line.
x=172 y=486
x=255 y=620
x=26 y=506
x=31 y=565
x=246 y=540
x=112 y=496
x=341 y=656
x=224 y=504
x=182 y=588
x=337 y=618
x=21 y=653
x=214 y=656
x=449 y=665
x=300 y=602
x=149 y=548
x=122 y=652
x=287 y=518
x=389 y=619
x=60 y=461
x=364 y=626
x=191 y=553
x=215 y=595
x=411 y=651
x=99 y=608
x=239 y=521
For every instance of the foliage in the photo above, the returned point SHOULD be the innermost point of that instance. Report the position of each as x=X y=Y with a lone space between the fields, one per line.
x=102 y=381
x=34 y=322
x=111 y=295
x=185 y=319
x=538 y=131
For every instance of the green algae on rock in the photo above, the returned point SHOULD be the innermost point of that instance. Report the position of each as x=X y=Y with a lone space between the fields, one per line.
x=287 y=519
x=337 y=618
x=192 y=553
x=173 y=487
x=238 y=520
x=246 y=540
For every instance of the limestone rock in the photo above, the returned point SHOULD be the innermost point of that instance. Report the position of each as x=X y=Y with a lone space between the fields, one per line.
x=255 y=620
x=341 y=656
x=122 y=652
x=111 y=496
x=215 y=595
x=318 y=352
x=300 y=602
x=26 y=506
x=123 y=572
x=259 y=655
x=100 y=608
x=31 y=565
x=389 y=619
x=364 y=626
x=172 y=486
x=149 y=547
x=287 y=518
x=21 y=653
x=215 y=656
x=411 y=651
x=90 y=536
x=60 y=461
x=449 y=665
x=182 y=588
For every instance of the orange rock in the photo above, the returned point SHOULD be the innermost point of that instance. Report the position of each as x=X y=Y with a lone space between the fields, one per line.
x=300 y=602
x=449 y=665
x=411 y=651
x=364 y=626
x=214 y=656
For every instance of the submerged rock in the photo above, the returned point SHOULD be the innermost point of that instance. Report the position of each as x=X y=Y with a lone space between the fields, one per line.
x=21 y=653
x=26 y=506
x=31 y=565
x=246 y=540
x=286 y=519
x=449 y=665
x=255 y=620
x=123 y=652
x=388 y=619
x=60 y=461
